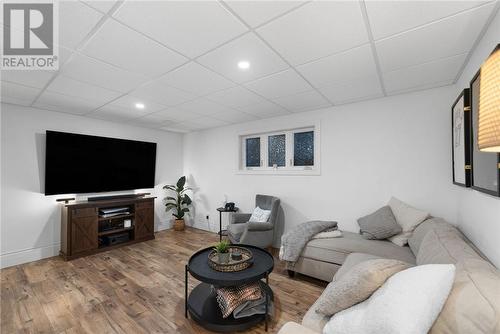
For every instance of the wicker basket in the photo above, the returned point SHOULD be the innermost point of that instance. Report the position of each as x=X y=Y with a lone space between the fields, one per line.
x=232 y=266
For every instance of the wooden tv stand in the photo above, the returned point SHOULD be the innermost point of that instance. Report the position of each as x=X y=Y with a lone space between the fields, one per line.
x=82 y=230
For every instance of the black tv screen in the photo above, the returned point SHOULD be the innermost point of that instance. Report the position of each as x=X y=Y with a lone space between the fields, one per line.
x=77 y=163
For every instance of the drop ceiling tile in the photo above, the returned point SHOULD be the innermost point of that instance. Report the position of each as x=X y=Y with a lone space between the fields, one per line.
x=161 y=93
x=280 y=84
x=64 y=103
x=341 y=67
x=356 y=90
x=235 y=97
x=234 y=116
x=204 y=123
x=178 y=115
x=18 y=94
x=265 y=109
x=391 y=17
x=123 y=47
x=196 y=79
x=424 y=74
x=101 y=5
x=70 y=87
x=116 y=113
x=303 y=102
x=255 y=13
x=128 y=102
x=76 y=20
x=159 y=116
x=101 y=74
x=316 y=30
x=36 y=79
x=145 y=122
x=175 y=127
x=204 y=107
x=445 y=38
x=263 y=61
x=190 y=27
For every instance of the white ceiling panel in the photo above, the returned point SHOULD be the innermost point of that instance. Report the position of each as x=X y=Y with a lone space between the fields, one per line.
x=445 y=38
x=129 y=101
x=316 y=30
x=101 y=74
x=18 y=94
x=196 y=79
x=159 y=116
x=280 y=84
x=341 y=67
x=37 y=79
x=64 y=103
x=116 y=113
x=424 y=74
x=76 y=20
x=236 y=97
x=265 y=109
x=71 y=87
x=204 y=107
x=304 y=101
x=356 y=90
x=234 y=116
x=255 y=13
x=204 y=123
x=263 y=61
x=161 y=93
x=121 y=46
x=391 y=17
x=178 y=115
x=101 y=5
x=190 y=27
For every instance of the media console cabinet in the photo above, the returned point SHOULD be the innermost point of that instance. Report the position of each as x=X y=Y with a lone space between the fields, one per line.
x=86 y=230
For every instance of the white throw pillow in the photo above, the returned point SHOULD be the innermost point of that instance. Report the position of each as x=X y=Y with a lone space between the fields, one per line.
x=409 y=302
x=260 y=216
x=407 y=217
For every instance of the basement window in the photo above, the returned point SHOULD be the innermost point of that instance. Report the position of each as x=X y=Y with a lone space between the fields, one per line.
x=293 y=151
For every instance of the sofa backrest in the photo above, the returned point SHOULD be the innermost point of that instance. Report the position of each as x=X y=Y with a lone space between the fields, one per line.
x=473 y=305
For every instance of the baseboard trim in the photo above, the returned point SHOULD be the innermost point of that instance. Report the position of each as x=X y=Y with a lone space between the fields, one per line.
x=28 y=255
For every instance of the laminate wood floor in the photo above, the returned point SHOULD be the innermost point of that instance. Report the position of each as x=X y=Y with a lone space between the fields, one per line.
x=133 y=289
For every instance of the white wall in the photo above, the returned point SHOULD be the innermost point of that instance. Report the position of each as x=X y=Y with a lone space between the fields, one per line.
x=479 y=213
x=30 y=221
x=369 y=151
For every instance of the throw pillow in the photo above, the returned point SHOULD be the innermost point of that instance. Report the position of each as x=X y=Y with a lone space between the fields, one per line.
x=408 y=302
x=357 y=284
x=380 y=224
x=407 y=217
x=260 y=216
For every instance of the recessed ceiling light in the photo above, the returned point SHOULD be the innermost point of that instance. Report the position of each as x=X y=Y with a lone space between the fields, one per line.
x=140 y=105
x=244 y=65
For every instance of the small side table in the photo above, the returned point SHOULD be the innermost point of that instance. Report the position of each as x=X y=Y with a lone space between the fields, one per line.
x=221 y=231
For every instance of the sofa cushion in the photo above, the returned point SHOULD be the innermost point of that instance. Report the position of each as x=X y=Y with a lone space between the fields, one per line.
x=421 y=230
x=295 y=328
x=351 y=260
x=357 y=284
x=336 y=250
x=380 y=224
x=314 y=320
x=407 y=217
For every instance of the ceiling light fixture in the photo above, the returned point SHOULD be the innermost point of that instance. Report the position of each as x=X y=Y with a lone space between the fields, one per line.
x=244 y=65
x=140 y=105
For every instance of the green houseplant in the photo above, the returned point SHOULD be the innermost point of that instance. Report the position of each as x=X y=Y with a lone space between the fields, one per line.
x=178 y=203
x=222 y=249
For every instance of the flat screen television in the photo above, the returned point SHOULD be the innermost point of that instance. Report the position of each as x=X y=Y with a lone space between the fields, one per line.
x=76 y=163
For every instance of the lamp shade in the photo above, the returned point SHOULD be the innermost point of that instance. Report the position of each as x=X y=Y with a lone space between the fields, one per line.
x=489 y=104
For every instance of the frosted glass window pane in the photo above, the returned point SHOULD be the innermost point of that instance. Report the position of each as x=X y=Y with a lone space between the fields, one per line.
x=253 y=152
x=303 y=148
x=276 y=150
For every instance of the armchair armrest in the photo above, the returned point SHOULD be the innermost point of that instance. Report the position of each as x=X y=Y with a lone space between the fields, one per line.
x=255 y=226
x=239 y=218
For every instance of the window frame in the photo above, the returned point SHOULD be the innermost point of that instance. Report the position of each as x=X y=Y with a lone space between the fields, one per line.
x=289 y=168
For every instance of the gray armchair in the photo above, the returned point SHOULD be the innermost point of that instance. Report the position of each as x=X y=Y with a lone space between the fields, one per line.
x=242 y=231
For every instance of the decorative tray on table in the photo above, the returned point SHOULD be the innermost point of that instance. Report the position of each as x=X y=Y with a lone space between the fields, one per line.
x=232 y=265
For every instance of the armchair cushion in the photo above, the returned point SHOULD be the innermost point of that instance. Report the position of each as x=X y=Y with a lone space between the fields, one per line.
x=255 y=226
x=238 y=218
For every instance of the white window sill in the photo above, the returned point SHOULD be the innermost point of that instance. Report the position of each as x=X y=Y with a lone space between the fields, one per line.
x=307 y=172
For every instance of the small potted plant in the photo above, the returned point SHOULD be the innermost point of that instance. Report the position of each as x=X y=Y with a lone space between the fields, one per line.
x=179 y=203
x=222 y=249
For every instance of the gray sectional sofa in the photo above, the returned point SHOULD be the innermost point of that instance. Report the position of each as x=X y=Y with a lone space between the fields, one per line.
x=473 y=305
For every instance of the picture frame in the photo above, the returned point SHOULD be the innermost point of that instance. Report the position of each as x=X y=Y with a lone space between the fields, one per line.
x=461 y=139
x=485 y=172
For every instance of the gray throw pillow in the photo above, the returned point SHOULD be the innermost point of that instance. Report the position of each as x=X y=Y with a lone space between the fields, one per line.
x=357 y=284
x=379 y=225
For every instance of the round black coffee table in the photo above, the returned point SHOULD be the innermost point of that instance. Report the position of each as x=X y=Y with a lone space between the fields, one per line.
x=201 y=303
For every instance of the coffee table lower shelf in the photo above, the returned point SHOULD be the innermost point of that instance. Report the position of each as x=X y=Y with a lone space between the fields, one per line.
x=204 y=309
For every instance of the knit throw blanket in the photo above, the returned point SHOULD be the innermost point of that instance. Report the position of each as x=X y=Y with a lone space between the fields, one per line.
x=293 y=242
